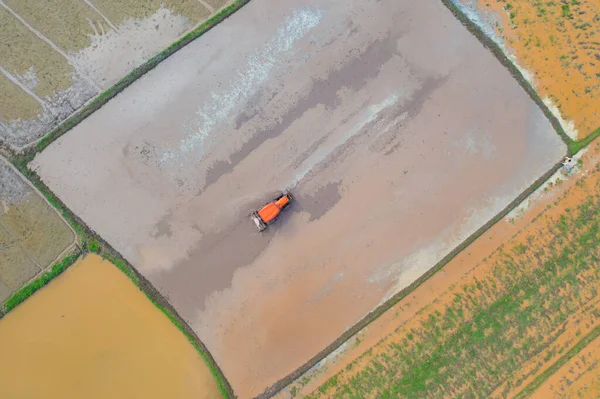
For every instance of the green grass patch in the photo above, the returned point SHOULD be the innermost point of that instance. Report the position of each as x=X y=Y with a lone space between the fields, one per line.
x=576 y=146
x=93 y=245
x=41 y=280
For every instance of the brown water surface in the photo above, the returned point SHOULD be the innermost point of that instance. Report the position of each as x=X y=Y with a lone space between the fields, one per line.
x=92 y=334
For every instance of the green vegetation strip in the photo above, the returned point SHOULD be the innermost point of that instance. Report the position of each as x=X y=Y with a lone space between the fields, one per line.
x=93 y=243
x=484 y=340
x=161 y=303
x=157 y=300
x=37 y=283
x=575 y=146
x=540 y=379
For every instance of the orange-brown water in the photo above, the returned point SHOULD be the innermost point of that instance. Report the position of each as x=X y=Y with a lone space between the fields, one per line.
x=92 y=334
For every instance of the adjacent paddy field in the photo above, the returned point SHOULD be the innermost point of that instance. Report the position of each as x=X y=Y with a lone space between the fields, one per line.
x=32 y=234
x=91 y=333
x=57 y=55
x=558 y=42
x=397 y=132
x=524 y=320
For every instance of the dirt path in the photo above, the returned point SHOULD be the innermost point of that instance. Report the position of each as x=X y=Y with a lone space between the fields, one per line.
x=397 y=137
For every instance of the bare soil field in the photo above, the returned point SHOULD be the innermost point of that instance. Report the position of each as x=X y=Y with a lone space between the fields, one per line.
x=558 y=42
x=91 y=333
x=499 y=327
x=60 y=53
x=397 y=132
x=32 y=234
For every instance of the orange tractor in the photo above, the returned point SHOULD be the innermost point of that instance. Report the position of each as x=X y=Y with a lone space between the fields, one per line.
x=269 y=212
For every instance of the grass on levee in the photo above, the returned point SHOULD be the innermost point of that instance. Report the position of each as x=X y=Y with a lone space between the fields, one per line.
x=41 y=280
x=575 y=146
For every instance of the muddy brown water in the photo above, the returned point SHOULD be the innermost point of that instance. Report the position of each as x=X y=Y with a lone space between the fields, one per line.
x=395 y=130
x=92 y=334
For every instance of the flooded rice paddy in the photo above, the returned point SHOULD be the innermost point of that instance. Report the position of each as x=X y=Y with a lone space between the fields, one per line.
x=91 y=333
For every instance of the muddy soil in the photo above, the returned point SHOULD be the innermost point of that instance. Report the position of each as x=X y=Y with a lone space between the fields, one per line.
x=558 y=43
x=92 y=334
x=396 y=131
x=578 y=378
x=32 y=234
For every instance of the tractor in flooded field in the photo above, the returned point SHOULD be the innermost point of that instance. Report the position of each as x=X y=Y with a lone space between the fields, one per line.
x=268 y=213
